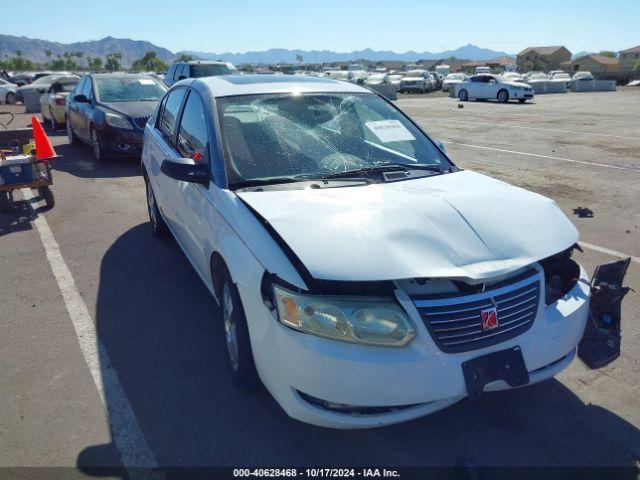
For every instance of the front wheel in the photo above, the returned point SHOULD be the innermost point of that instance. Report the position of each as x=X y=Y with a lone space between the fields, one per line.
x=463 y=95
x=97 y=144
x=236 y=334
x=71 y=137
x=10 y=98
x=503 y=96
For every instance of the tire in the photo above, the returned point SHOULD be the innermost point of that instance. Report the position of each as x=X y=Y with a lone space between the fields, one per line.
x=52 y=122
x=71 y=137
x=522 y=100
x=503 y=96
x=47 y=194
x=99 y=152
x=5 y=202
x=463 y=95
x=10 y=98
x=158 y=226
x=239 y=354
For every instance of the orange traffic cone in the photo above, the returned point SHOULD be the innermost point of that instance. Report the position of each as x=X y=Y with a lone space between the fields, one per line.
x=44 y=149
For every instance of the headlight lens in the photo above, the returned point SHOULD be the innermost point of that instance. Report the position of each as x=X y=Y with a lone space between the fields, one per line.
x=368 y=321
x=118 y=121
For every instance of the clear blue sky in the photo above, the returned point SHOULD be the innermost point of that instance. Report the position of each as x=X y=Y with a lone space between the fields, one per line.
x=339 y=25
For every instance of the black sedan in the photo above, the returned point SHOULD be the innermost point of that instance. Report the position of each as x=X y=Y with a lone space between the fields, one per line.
x=109 y=111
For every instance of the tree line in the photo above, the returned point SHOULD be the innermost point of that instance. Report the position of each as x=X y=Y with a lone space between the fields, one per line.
x=72 y=61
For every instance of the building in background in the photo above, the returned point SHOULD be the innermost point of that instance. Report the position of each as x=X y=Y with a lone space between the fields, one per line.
x=542 y=58
x=591 y=63
x=628 y=58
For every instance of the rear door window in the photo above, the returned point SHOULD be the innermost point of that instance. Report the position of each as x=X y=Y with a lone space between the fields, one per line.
x=168 y=120
x=193 y=138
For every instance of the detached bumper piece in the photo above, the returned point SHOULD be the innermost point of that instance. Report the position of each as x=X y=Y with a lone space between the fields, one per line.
x=507 y=365
x=600 y=344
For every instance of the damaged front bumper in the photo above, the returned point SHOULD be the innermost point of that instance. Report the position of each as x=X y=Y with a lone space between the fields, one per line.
x=600 y=344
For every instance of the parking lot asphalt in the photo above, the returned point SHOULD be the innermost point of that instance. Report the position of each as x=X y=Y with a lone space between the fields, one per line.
x=112 y=350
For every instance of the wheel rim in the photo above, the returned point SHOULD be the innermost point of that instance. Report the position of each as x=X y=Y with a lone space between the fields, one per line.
x=230 y=327
x=503 y=96
x=96 y=144
x=151 y=203
x=11 y=98
x=463 y=95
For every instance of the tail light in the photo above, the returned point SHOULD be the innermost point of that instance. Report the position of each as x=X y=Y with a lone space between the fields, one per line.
x=60 y=101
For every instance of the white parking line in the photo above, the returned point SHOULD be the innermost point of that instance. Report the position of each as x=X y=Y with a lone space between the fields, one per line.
x=608 y=251
x=501 y=125
x=125 y=430
x=593 y=164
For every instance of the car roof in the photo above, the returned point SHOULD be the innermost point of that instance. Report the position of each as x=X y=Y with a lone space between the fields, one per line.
x=231 y=85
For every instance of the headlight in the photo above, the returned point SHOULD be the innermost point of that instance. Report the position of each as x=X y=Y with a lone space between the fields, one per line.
x=368 y=321
x=117 y=121
x=561 y=273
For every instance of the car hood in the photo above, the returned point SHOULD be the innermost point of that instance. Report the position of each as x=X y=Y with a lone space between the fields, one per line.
x=461 y=225
x=131 y=109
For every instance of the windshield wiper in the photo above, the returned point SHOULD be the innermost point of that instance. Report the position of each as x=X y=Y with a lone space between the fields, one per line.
x=386 y=166
x=257 y=182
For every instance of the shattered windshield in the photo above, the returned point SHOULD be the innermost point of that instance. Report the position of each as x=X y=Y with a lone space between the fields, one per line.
x=268 y=136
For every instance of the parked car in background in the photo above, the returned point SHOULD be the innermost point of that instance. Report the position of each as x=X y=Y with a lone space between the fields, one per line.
x=21 y=79
x=377 y=79
x=419 y=81
x=395 y=79
x=516 y=77
x=109 y=111
x=452 y=80
x=527 y=76
x=449 y=284
x=560 y=76
x=536 y=76
x=53 y=103
x=7 y=91
x=196 y=69
x=583 y=77
x=493 y=87
x=40 y=85
x=483 y=70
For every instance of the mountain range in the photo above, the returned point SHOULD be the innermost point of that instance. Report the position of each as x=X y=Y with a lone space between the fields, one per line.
x=281 y=55
x=34 y=49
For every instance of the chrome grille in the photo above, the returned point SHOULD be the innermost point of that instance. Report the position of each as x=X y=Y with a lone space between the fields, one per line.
x=140 y=122
x=455 y=322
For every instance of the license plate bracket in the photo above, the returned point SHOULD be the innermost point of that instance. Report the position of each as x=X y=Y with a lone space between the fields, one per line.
x=507 y=365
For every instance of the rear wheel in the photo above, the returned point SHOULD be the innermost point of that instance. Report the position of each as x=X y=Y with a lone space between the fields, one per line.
x=47 y=195
x=5 y=202
x=10 y=98
x=158 y=225
x=52 y=122
x=463 y=95
x=503 y=96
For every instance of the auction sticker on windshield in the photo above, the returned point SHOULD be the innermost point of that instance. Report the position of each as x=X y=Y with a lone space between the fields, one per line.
x=390 y=131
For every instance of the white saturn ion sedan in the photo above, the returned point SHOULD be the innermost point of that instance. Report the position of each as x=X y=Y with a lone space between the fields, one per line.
x=362 y=277
x=493 y=87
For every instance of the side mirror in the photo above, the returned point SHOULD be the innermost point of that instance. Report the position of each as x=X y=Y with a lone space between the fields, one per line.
x=186 y=170
x=81 y=98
